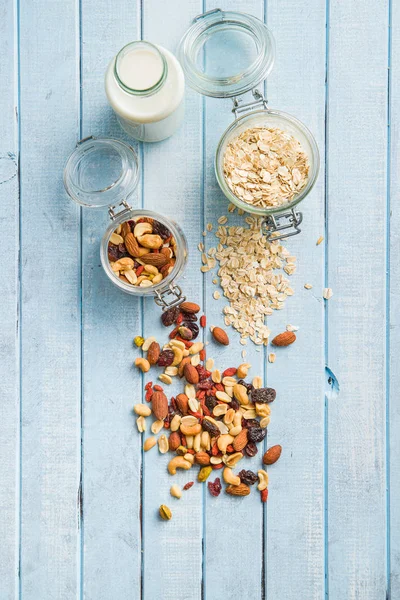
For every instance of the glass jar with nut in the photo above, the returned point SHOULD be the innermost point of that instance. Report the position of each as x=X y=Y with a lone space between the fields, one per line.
x=267 y=161
x=142 y=252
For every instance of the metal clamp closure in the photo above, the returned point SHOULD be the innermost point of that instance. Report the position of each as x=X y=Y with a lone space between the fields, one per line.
x=206 y=14
x=258 y=102
x=126 y=209
x=271 y=225
x=175 y=291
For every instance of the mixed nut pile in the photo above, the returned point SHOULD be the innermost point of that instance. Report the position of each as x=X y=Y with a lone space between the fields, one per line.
x=217 y=420
x=142 y=252
x=265 y=167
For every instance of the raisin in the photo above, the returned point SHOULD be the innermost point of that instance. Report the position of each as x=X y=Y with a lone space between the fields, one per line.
x=166 y=358
x=161 y=230
x=250 y=423
x=190 y=317
x=194 y=328
x=248 y=477
x=169 y=316
x=113 y=253
x=256 y=434
x=251 y=449
x=211 y=403
x=263 y=395
x=234 y=404
x=122 y=251
x=188 y=485
x=211 y=428
x=215 y=487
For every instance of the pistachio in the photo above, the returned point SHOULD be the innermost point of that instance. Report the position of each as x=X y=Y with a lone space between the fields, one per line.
x=165 y=512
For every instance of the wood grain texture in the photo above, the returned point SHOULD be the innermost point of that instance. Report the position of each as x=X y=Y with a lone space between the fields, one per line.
x=111 y=535
x=295 y=517
x=357 y=143
x=230 y=522
x=9 y=345
x=393 y=316
x=172 y=175
x=50 y=325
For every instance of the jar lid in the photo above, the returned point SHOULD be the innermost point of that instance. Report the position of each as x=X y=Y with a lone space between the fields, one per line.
x=225 y=53
x=101 y=172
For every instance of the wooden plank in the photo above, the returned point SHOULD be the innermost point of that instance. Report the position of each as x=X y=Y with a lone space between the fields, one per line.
x=295 y=512
x=49 y=303
x=9 y=347
x=393 y=318
x=357 y=142
x=172 y=177
x=229 y=522
x=111 y=540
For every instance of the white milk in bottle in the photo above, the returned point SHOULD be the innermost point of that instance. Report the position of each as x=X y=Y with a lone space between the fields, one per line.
x=145 y=87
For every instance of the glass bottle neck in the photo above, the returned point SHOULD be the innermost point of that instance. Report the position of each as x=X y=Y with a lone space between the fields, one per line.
x=140 y=69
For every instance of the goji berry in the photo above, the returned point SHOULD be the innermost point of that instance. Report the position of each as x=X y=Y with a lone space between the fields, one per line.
x=179 y=319
x=183 y=440
x=206 y=412
x=187 y=343
x=156 y=251
x=202 y=354
x=216 y=467
x=200 y=394
x=173 y=404
x=190 y=451
x=229 y=448
x=264 y=495
x=229 y=372
x=214 y=449
x=139 y=270
x=158 y=388
x=173 y=333
x=188 y=485
x=198 y=415
x=148 y=385
x=166 y=424
x=219 y=387
x=148 y=395
x=203 y=321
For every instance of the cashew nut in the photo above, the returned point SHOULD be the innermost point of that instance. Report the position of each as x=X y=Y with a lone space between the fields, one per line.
x=178 y=355
x=142 y=364
x=263 y=479
x=177 y=344
x=224 y=441
x=229 y=477
x=232 y=459
x=191 y=430
x=178 y=462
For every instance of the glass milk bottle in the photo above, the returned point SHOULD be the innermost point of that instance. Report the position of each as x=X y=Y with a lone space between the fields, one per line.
x=145 y=87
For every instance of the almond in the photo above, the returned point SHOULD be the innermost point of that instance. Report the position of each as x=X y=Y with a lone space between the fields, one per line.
x=174 y=441
x=240 y=441
x=125 y=229
x=155 y=259
x=220 y=336
x=191 y=374
x=238 y=490
x=153 y=353
x=284 y=339
x=159 y=404
x=131 y=245
x=167 y=252
x=166 y=269
x=202 y=458
x=189 y=307
x=182 y=402
x=272 y=455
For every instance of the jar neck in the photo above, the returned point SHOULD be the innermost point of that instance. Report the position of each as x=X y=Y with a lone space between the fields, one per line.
x=140 y=69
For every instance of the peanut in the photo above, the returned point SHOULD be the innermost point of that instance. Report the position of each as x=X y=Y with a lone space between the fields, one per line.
x=163 y=445
x=224 y=441
x=141 y=424
x=243 y=370
x=142 y=410
x=157 y=426
x=149 y=443
x=176 y=491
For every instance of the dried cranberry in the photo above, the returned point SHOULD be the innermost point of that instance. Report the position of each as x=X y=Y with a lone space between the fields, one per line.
x=113 y=253
x=248 y=477
x=211 y=403
x=256 y=434
x=203 y=373
x=161 y=230
x=190 y=317
x=166 y=358
x=169 y=316
x=205 y=385
x=263 y=395
x=188 y=485
x=211 y=428
x=215 y=487
x=251 y=449
x=194 y=328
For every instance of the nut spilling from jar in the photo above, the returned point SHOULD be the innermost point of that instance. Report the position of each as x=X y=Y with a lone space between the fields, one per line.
x=266 y=167
x=142 y=252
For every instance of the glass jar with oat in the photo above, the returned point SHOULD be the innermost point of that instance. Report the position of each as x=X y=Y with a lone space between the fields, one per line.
x=142 y=252
x=267 y=161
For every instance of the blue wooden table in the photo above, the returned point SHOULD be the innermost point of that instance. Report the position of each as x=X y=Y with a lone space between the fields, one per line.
x=78 y=498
